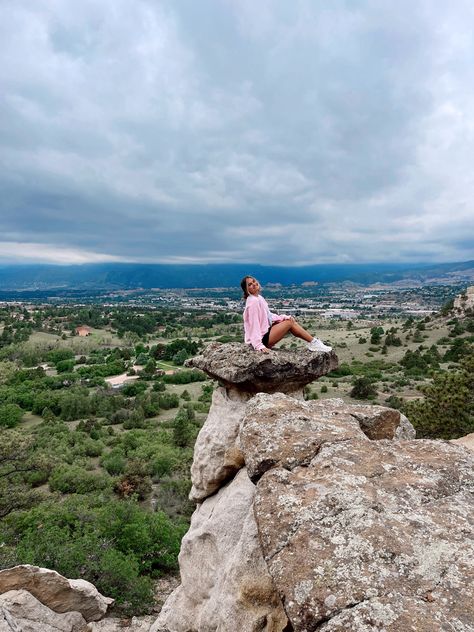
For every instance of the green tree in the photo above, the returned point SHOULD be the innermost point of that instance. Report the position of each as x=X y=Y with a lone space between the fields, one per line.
x=16 y=461
x=10 y=415
x=182 y=428
x=363 y=388
x=447 y=409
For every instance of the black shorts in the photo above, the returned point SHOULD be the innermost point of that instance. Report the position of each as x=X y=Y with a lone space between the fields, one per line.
x=266 y=336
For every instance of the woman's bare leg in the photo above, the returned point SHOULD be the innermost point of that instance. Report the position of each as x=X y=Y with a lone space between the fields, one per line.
x=279 y=331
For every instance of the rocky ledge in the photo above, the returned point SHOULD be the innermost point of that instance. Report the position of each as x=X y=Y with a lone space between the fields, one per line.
x=238 y=366
x=319 y=515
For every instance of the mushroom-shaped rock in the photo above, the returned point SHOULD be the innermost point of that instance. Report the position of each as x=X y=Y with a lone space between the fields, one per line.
x=239 y=366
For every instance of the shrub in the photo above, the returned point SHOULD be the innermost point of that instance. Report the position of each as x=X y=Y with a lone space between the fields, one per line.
x=185 y=377
x=363 y=388
x=447 y=410
x=114 y=462
x=116 y=545
x=72 y=479
x=10 y=415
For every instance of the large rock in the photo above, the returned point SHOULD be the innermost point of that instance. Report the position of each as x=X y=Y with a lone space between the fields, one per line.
x=225 y=584
x=55 y=591
x=217 y=456
x=373 y=535
x=279 y=431
x=239 y=366
x=377 y=422
x=25 y=613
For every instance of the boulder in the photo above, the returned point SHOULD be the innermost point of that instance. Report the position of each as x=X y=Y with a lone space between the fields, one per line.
x=279 y=431
x=27 y=614
x=224 y=579
x=217 y=456
x=368 y=525
x=237 y=365
x=376 y=422
x=55 y=591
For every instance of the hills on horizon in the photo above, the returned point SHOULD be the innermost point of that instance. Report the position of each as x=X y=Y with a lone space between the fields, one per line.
x=117 y=276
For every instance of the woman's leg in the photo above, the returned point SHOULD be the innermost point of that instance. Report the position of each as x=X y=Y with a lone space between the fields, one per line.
x=279 y=331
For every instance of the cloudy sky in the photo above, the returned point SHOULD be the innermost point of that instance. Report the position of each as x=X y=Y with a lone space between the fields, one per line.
x=266 y=131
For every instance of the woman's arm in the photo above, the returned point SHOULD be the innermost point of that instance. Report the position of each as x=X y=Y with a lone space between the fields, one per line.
x=277 y=318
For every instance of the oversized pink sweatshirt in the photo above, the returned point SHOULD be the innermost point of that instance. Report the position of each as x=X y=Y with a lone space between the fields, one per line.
x=257 y=320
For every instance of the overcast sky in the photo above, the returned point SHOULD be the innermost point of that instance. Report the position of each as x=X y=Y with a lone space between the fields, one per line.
x=268 y=131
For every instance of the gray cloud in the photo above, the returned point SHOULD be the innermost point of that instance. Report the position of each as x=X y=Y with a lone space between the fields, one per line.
x=234 y=130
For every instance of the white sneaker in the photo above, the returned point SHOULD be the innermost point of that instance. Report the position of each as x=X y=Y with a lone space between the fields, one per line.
x=318 y=345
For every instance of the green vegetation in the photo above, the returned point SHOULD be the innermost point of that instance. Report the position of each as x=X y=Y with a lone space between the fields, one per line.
x=94 y=479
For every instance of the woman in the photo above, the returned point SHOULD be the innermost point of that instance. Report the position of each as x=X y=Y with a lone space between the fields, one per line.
x=264 y=329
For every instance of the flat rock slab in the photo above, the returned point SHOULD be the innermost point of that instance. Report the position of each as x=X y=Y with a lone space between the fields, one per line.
x=239 y=366
x=369 y=525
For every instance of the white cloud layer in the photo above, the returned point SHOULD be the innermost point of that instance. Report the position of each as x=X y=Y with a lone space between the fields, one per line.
x=224 y=130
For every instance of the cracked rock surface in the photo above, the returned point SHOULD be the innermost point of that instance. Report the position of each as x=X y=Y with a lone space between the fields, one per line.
x=372 y=522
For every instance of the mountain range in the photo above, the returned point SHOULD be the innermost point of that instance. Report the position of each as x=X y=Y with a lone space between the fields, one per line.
x=110 y=276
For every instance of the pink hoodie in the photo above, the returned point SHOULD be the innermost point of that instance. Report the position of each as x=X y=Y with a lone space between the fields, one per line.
x=257 y=320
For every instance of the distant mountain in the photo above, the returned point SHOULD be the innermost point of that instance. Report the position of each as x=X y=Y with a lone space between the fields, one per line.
x=109 y=276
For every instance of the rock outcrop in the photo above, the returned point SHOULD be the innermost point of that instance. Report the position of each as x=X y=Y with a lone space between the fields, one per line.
x=464 y=303
x=327 y=516
x=239 y=367
x=42 y=600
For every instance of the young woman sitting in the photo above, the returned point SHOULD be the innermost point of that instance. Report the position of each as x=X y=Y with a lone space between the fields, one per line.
x=264 y=329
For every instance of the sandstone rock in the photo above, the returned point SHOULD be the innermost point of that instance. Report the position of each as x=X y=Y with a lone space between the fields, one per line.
x=278 y=430
x=364 y=526
x=238 y=365
x=377 y=422
x=30 y=615
x=467 y=441
x=225 y=584
x=216 y=454
x=55 y=591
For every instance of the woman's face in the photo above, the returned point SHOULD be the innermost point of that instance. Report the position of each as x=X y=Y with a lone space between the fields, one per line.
x=253 y=286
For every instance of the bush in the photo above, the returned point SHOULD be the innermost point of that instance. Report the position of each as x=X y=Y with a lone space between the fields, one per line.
x=10 y=415
x=363 y=388
x=116 y=545
x=185 y=377
x=114 y=462
x=447 y=410
x=72 y=479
